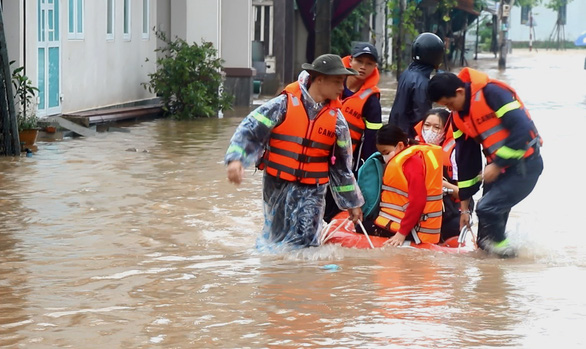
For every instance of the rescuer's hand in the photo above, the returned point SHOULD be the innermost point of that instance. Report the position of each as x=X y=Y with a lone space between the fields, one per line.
x=235 y=172
x=355 y=214
x=491 y=173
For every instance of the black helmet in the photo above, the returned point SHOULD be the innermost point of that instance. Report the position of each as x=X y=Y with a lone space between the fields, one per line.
x=428 y=48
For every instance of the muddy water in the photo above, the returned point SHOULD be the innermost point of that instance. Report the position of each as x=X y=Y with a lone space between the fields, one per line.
x=135 y=239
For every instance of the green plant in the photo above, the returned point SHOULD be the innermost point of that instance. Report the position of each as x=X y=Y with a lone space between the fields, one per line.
x=350 y=28
x=403 y=29
x=188 y=79
x=24 y=95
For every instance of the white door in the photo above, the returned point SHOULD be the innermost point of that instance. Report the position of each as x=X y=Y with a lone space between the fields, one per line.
x=49 y=57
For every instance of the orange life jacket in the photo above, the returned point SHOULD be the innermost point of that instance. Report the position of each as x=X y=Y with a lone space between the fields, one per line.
x=448 y=147
x=299 y=149
x=352 y=105
x=395 y=199
x=482 y=123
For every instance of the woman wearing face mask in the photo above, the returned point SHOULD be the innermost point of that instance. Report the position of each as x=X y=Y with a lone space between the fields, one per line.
x=411 y=195
x=436 y=128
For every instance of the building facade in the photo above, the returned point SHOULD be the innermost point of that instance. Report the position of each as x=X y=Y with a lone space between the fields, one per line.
x=85 y=54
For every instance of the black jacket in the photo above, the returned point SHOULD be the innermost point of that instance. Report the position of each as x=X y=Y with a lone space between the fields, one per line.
x=411 y=102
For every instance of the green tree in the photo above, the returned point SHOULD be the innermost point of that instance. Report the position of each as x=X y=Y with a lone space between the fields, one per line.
x=188 y=79
x=530 y=3
x=350 y=28
x=557 y=35
x=405 y=14
x=556 y=4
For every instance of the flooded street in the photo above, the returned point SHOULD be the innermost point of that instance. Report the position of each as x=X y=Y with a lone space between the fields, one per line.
x=136 y=240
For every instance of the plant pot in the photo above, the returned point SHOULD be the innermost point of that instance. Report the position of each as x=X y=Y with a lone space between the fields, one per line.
x=28 y=137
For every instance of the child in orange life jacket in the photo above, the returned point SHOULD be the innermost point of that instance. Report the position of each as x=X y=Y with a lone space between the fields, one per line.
x=411 y=193
x=292 y=138
x=361 y=108
x=489 y=116
x=435 y=128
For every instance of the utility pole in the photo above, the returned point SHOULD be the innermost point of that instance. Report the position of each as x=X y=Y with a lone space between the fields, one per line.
x=477 y=34
x=531 y=31
x=398 y=39
x=503 y=14
x=323 y=27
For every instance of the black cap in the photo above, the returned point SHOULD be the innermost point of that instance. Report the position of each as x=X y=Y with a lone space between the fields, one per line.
x=361 y=48
x=328 y=64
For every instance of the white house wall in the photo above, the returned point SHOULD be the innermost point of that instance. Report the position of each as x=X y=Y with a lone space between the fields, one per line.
x=178 y=18
x=97 y=72
x=236 y=40
x=204 y=22
x=13 y=17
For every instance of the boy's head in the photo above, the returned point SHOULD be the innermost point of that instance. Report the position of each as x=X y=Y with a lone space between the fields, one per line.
x=448 y=90
x=364 y=59
x=364 y=49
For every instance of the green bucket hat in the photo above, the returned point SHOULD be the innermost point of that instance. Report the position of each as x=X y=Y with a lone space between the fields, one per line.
x=328 y=64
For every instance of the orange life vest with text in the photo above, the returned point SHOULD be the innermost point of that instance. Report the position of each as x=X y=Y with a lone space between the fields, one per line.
x=299 y=149
x=395 y=198
x=353 y=105
x=482 y=123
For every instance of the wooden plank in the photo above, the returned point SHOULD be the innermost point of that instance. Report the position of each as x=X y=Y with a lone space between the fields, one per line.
x=72 y=126
x=94 y=117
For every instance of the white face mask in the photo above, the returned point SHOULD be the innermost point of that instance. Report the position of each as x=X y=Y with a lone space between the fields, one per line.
x=388 y=157
x=432 y=137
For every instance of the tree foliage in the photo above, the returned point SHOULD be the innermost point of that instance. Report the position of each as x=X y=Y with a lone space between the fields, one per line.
x=188 y=79
x=556 y=4
x=349 y=29
x=550 y=4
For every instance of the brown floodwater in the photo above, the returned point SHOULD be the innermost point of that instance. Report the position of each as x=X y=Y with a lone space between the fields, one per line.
x=136 y=239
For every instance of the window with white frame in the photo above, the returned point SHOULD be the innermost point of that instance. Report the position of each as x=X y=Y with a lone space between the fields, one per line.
x=145 y=19
x=262 y=26
x=75 y=17
x=126 y=26
x=110 y=20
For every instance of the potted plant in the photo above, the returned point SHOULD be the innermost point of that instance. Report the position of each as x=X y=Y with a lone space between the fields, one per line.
x=26 y=117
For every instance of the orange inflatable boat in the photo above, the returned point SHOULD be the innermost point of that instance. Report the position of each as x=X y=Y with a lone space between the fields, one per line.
x=341 y=231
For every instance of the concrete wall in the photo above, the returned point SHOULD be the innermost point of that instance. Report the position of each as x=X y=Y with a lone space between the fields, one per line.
x=236 y=49
x=203 y=22
x=235 y=32
x=301 y=35
x=12 y=16
x=97 y=72
x=178 y=11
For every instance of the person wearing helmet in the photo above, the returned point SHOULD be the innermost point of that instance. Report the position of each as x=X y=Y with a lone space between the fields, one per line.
x=411 y=102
